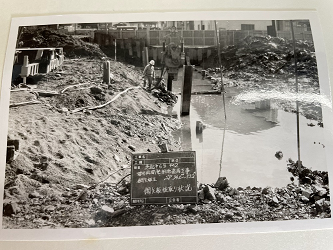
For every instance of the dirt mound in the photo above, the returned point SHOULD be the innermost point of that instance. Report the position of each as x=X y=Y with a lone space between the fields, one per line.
x=73 y=47
x=60 y=149
x=267 y=55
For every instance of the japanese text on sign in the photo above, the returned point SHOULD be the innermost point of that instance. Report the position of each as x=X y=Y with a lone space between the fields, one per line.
x=163 y=178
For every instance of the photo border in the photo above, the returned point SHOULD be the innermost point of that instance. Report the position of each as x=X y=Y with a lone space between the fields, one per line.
x=166 y=230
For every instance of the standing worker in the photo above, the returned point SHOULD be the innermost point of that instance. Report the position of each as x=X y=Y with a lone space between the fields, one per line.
x=149 y=74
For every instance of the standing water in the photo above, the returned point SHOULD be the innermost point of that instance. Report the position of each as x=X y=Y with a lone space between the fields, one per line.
x=253 y=134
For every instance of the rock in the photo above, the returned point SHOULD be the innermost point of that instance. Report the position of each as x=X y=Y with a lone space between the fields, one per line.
x=35 y=194
x=118 y=213
x=49 y=208
x=228 y=198
x=64 y=110
x=220 y=197
x=10 y=208
x=209 y=192
x=306 y=193
x=46 y=217
x=304 y=199
x=222 y=183
x=116 y=157
x=119 y=205
x=192 y=209
x=87 y=112
x=228 y=216
x=131 y=147
x=274 y=201
x=233 y=192
x=96 y=90
x=320 y=191
x=321 y=205
x=163 y=147
x=206 y=201
x=266 y=190
x=107 y=210
x=306 y=180
x=83 y=195
x=91 y=222
x=279 y=155
x=182 y=221
x=201 y=195
x=82 y=186
x=67 y=194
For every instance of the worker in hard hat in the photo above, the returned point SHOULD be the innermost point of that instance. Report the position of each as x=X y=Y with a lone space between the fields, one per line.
x=149 y=74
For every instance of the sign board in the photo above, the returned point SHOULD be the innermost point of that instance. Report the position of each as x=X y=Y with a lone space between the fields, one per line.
x=164 y=178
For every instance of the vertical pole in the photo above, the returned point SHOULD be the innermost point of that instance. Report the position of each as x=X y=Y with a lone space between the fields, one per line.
x=273 y=28
x=223 y=96
x=25 y=61
x=106 y=72
x=219 y=56
x=115 y=49
x=26 y=68
x=299 y=163
x=146 y=55
x=233 y=37
x=169 y=83
x=186 y=90
x=143 y=58
x=148 y=35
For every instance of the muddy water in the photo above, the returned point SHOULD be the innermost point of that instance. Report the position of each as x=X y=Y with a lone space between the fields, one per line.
x=253 y=134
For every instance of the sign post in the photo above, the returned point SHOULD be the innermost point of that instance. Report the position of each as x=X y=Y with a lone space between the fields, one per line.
x=164 y=178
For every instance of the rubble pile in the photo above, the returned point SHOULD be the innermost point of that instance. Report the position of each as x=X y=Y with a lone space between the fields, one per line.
x=266 y=55
x=44 y=38
x=108 y=205
x=165 y=96
x=307 y=176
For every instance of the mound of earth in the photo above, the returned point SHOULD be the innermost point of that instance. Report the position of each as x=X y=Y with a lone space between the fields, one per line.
x=44 y=38
x=60 y=148
x=266 y=55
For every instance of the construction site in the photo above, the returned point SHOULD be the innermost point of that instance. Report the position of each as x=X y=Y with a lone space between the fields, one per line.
x=80 y=114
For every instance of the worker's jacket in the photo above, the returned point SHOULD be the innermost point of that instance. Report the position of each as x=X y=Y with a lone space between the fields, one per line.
x=149 y=70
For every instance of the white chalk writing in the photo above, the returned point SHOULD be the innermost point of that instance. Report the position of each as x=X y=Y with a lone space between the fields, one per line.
x=168 y=189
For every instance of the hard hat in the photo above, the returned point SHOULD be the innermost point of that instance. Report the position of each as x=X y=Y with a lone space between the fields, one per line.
x=152 y=62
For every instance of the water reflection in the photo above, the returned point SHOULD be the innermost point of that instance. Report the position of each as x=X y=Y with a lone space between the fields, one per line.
x=254 y=132
x=243 y=119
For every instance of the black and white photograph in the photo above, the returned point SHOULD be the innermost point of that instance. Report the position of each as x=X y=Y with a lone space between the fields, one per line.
x=155 y=123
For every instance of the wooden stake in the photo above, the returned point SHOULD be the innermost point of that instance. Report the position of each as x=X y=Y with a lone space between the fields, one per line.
x=186 y=90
